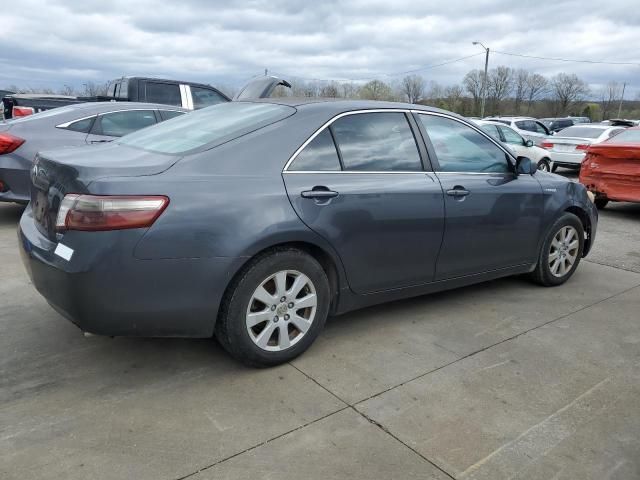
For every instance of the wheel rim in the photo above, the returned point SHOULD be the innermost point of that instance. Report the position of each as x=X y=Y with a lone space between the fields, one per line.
x=543 y=166
x=563 y=251
x=281 y=310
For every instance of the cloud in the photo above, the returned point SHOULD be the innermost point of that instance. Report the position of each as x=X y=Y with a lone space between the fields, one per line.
x=55 y=42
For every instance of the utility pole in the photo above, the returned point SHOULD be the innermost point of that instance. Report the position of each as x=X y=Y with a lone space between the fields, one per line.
x=484 y=80
x=624 y=85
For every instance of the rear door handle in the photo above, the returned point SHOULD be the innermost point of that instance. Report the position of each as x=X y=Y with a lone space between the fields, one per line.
x=319 y=193
x=458 y=191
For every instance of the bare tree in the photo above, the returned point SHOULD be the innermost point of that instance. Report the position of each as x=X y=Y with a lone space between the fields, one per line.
x=472 y=82
x=609 y=97
x=375 y=90
x=500 y=83
x=330 y=90
x=454 y=94
x=520 y=88
x=567 y=89
x=67 y=90
x=413 y=88
x=349 y=90
x=536 y=86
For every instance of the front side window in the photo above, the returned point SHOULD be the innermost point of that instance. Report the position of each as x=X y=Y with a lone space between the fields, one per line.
x=319 y=155
x=511 y=136
x=165 y=93
x=376 y=141
x=491 y=130
x=460 y=148
x=205 y=97
x=527 y=125
x=118 y=124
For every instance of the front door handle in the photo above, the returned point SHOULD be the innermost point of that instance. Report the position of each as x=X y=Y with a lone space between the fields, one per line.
x=458 y=191
x=320 y=193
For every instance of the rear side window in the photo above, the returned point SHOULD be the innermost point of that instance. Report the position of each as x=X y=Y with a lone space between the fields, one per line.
x=205 y=97
x=165 y=93
x=376 y=142
x=511 y=136
x=82 y=126
x=208 y=127
x=460 y=148
x=118 y=124
x=319 y=155
x=167 y=114
x=491 y=130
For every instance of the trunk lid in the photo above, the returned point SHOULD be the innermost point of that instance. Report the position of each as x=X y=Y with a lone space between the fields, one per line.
x=59 y=172
x=567 y=144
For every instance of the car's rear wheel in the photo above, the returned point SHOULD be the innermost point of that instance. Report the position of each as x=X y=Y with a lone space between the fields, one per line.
x=275 y=308
x=561 y=251
x=601 y=203
x=544 y=165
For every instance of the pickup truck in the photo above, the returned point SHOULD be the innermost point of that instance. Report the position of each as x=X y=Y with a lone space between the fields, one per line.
x=188 y=95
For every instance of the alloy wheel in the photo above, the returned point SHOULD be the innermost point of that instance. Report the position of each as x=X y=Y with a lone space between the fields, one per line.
x=281 y=310
x=563 y=251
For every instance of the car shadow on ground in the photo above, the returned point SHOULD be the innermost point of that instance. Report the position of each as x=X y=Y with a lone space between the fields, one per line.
x=10 y=213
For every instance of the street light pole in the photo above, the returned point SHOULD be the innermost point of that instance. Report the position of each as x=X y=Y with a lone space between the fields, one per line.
x=484 y=81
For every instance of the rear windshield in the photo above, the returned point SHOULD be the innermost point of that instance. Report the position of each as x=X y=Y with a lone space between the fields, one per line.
x=210 y=126
x=581 y=132
x=626 y=136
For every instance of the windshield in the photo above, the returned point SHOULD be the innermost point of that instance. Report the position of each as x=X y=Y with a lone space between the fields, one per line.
x=581 y=132
x=626 y=136
x=210 y=126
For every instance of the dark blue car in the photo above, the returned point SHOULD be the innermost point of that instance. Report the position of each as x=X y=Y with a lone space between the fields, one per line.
x=253 y=221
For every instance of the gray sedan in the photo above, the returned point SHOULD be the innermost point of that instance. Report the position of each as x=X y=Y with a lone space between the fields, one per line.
x=73 y=125
x=254 y=221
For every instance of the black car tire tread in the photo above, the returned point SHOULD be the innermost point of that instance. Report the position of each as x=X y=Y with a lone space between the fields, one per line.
x=542 y=273
x=230 y=329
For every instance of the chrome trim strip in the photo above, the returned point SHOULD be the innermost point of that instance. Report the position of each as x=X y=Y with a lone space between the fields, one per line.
x=188 y=96
x=351 y=172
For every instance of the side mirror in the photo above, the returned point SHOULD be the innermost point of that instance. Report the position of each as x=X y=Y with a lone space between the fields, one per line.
x=525 y=166
x=528 y=143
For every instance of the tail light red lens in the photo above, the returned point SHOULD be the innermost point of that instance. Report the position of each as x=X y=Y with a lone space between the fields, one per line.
x=9 y=143
x=546 y=145
x=21 y=111
x=582 y=147
x=109 y=212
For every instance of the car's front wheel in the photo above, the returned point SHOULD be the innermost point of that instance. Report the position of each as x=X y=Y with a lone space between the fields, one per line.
x=274 y=309
x=561 y=251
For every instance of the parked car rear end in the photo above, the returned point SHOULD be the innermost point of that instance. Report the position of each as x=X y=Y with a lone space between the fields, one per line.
x=611 y=170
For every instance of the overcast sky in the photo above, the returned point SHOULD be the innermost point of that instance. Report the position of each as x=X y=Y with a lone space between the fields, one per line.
x=56 y=42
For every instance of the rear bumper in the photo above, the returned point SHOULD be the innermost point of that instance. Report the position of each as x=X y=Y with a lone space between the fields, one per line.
x=622 y=188
x=569 y=159
x=104 y=290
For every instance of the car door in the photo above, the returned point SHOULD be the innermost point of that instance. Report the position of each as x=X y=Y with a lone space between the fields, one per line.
x=493 y=216
x=360 y=183
x=117 y=124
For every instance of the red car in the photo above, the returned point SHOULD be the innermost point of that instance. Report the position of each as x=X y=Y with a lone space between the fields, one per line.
x=611 y=169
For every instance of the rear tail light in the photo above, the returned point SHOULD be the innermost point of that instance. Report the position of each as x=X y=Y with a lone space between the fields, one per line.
x=109 y=212
x=22 y=111
x=582 y=147
x=8 y=143
x=546 y=145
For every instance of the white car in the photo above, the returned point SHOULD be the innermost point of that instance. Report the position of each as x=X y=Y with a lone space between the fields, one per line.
x=520 y=146
x=568 y=147
x=528 y=127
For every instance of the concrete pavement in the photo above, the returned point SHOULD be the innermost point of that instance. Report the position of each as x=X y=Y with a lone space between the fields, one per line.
x=499 y=380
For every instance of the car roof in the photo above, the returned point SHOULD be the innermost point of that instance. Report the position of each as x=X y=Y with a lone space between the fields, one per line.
x=339 y=105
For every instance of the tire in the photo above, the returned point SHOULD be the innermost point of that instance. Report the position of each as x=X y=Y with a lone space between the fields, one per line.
x=554 y=168
x=544 y=165
x=263 y=335
x=601 y=203
x=550 y=273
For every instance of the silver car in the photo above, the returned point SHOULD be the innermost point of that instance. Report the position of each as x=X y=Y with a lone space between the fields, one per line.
x=73 y=125
x=567 y=148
